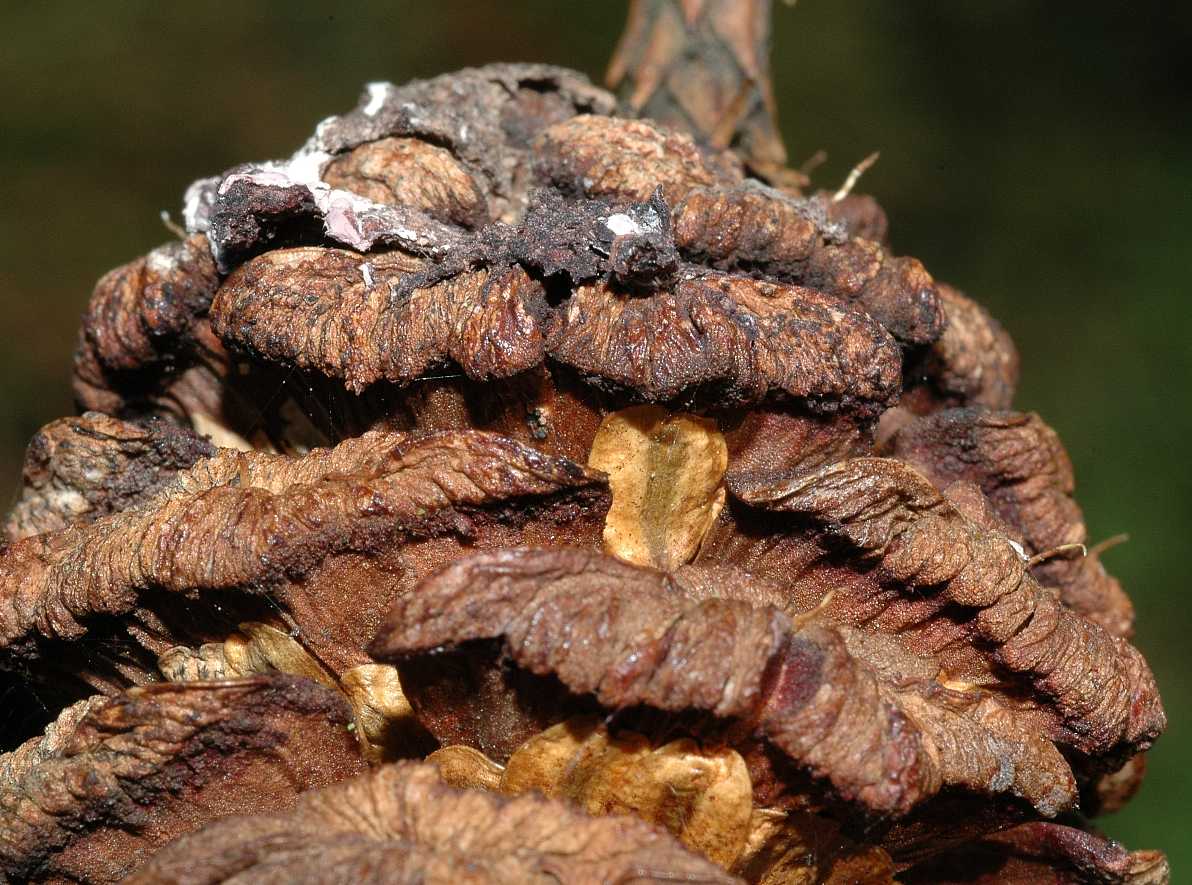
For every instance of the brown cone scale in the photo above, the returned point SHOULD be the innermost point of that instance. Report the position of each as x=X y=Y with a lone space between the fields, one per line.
x=519 y=484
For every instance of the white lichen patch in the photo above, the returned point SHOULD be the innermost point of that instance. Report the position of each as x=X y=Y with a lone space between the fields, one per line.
x=196 y=204
x=622 y=225
x=376 y=97
x=163 y=259
x=348 y=218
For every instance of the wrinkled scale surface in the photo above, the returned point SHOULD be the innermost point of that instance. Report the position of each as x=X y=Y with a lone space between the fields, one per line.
x=685 y=527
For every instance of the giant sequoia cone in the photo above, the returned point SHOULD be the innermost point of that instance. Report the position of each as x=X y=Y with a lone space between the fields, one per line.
x=510 y=486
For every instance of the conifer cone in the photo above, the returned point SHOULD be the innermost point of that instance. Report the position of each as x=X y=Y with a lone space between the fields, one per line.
x=519 y=484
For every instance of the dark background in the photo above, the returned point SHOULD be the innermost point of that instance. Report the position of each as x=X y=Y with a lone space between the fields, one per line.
x=1035 y=154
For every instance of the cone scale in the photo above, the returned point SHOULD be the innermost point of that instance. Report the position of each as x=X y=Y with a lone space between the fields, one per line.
x=533 y=482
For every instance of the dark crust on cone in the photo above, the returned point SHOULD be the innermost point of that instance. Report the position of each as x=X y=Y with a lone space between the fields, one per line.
x=486 y=117
x=356 y=179
x=740 y=227
x=473 y=128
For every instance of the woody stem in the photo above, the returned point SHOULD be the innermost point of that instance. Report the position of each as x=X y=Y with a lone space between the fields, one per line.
x=703 y=66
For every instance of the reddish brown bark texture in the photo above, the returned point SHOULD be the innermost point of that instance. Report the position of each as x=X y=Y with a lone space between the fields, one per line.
x=570 y=445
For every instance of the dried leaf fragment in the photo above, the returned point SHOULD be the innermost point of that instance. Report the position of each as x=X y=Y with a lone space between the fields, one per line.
x=805 y=849
x=701 y=794
x=543 y=761
x=666 y=472
x=255 y=649
x=384 y=722
x=384 y=718
x=467 y=768
x=262 y=648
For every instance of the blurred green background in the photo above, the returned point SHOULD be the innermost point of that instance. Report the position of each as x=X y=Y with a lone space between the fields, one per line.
x=1035 y=154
